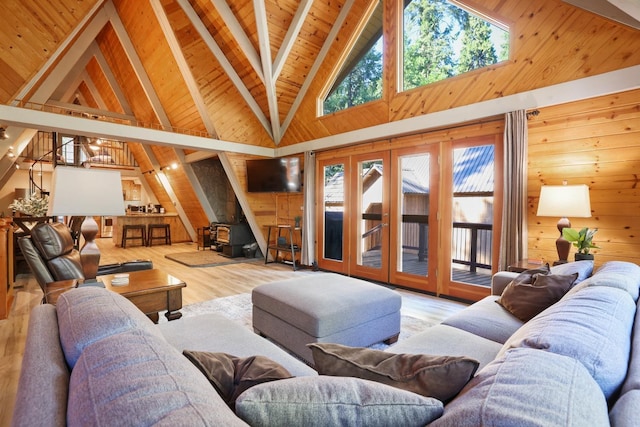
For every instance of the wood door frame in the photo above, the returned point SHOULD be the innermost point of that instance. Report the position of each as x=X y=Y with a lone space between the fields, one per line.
x=338 y=266
x=446 y=285
x=381 y=274
x=429 y=282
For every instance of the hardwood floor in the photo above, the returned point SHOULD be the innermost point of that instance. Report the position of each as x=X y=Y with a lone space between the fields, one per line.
x=202 y=284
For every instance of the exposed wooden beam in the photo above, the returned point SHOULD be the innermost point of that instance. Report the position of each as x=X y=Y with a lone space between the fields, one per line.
x=164 y=181
x=94 y=90
x=42 y=120
x=136 y=63
x=187 y=76
x=69 y=84
x=265 y=55
x=199 y=155
x=317 y=63
x=239 y=35
x=290 y=37
x=111 y=78
x=226 y=65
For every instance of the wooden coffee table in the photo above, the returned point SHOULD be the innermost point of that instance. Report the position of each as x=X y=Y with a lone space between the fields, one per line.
x=151 y=291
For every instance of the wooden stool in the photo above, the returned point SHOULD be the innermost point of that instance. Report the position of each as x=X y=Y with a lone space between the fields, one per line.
x=166 y=235
x=127 y=236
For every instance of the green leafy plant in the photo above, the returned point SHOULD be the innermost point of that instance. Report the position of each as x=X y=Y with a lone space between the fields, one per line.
x=583 y=239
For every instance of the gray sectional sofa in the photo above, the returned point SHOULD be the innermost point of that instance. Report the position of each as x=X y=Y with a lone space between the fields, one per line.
x=94 y=359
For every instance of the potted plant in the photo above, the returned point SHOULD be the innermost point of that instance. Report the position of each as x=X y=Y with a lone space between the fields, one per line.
x=582 y=240
x=297 y=220
x=32 y=205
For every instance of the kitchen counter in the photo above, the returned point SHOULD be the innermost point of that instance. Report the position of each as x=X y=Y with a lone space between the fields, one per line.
x=178 y=232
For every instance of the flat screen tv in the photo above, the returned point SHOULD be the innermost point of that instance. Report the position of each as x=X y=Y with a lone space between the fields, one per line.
x=280 y=175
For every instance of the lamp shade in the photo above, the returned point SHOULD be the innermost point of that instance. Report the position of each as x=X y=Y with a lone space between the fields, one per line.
x=88 y=192
x=564 y=201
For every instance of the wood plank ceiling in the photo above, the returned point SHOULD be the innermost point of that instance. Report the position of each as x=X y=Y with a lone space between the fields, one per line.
x=234 y=70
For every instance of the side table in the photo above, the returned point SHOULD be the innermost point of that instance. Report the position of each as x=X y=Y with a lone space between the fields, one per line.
x=523 y=265
x=284 y=242
x=149 y=290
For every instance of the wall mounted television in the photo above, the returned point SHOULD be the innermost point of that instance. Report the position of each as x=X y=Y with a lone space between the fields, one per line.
x=281 y=175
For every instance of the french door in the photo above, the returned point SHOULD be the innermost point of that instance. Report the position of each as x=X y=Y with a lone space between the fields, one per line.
x=404 y=216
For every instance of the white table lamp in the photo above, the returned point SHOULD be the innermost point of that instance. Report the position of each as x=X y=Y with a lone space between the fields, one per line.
x=86 y=192
x=564 y=201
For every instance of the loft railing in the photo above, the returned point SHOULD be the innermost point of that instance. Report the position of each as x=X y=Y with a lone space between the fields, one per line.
x=106 y=118
x=54 y=149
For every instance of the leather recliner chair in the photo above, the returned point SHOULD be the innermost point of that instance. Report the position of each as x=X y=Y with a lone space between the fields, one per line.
x=51 y=255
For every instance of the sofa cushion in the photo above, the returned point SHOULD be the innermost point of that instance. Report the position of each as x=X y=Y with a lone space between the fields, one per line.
x=334 y=401
x=44 y=375
x=593 y=326
x=527 y=387
x=583 y=268
x=89 y=314
x=137 y=379
x=626 y=410
x=441 y=377
x=231 y=375
x=216 y=333
x=444 y=340
x=615 y=274
x=525 y=300
x=486 y=319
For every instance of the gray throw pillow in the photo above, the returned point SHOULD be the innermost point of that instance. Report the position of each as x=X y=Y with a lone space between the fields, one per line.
x=441 y=377
x=231 y=375
x=526 y=300
x=334 y=401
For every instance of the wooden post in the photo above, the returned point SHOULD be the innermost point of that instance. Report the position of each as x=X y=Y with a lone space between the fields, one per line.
x=6 y=267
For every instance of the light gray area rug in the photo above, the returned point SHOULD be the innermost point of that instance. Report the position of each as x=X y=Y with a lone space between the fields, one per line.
x=238 y=308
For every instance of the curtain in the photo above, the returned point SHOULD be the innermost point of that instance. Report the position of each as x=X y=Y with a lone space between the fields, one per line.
x=513 y=244
x=308 y=253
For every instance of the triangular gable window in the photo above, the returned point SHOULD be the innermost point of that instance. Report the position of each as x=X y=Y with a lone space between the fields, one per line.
x=360 y=78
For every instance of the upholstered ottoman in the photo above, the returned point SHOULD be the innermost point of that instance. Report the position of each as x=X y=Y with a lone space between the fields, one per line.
x=325 y=307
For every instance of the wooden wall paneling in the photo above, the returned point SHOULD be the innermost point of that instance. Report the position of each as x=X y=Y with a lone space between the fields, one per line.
x=592 y=142
x=232 y=117
x=125 y=75
x=87 y=95
x=181 y=185
x=100 y=81
x=552 y=42
x=155 y=54
x=232 y=50
x=306 y=124
x=33 y=31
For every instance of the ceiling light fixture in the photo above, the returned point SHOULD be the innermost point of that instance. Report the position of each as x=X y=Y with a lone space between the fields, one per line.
x=3 y=133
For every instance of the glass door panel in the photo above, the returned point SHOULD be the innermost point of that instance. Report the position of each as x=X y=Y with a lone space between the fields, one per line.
x=332 y=209
x=371 y=228
x=414 y=202
x=472 y=215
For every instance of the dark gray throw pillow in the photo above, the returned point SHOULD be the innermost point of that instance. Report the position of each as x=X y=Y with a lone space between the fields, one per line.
x=441 y=377
x=231 y=375
x=526 y=300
